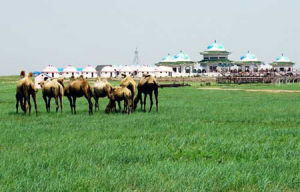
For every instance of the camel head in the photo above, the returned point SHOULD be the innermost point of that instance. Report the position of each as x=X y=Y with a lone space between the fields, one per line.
x=123 y=75
x=72 y=78
x=22 y=74
x=30 y=74
x=42 y=83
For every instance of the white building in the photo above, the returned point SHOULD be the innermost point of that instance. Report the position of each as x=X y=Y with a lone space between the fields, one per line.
x=108 y=72
x=181 y=64
x=126 y=70
x=144 y=70
x=249 y=63
x=70 y=71
x=163 y=71
x=283 y=64
x=89 y=72
x=51 y=71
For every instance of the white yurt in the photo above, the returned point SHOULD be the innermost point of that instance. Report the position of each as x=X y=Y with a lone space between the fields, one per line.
x=108 y=72
x=89 y=72
x=126 y=70
x=51 y=71
x=70 y=71
x=144 y=70
x=163 y=71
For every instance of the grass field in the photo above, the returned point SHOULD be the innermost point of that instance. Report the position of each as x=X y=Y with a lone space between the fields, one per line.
x=200 y=140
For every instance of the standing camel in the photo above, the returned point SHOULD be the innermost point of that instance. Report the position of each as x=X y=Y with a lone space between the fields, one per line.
x=53 y=88
x=78 y=88
x=147 y=85
x=128 y=82
x=119 y=94
x=102 y=88
x=25 y=89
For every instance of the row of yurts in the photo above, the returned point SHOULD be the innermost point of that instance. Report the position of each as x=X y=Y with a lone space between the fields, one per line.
x=164 y=68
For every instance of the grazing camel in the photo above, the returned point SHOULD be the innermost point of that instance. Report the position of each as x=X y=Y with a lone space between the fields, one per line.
x=78 y=88
x=102 y=88
x=53 y=88
x=119 y=94
x=25 y=89
x=147 y=85
x=128 y=82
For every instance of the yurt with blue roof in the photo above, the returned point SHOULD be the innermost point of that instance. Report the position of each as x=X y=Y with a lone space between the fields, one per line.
x=215 y=58
x=249 y=62
x=180 y=63
x=283 y=64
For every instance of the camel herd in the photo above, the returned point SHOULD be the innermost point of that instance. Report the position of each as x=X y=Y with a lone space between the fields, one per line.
x=55 y=88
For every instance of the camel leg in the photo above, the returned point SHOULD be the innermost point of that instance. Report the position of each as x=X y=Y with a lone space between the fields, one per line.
x=151 y=101
x=34 y=102
x=145 y=97
x=141 y=100
x=119 y=104
x=74 y=104
x=17 y=104
x=49 y=101
x=156 y=98
x=71 y=105
x=88 y=97
x=45 y=99
x=61 y=103
x=96 y=103
x=29 y=104
x=56 y=102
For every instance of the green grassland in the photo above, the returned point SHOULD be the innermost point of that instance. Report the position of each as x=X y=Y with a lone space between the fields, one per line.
x=200 y=140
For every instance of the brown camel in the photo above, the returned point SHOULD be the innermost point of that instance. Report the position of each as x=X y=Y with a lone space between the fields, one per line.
x=25 y=88
x=78 y=88
x=147 y=85
x=53 y=88
x=128 y=82
x=102 y=88
x=119 y=94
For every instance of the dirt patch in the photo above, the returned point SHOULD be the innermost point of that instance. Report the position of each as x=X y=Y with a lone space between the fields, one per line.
x=255 y=90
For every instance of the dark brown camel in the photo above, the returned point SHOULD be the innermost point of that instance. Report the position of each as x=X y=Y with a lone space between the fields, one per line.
x=25 y=89
x=147 y=86
x=78 y=88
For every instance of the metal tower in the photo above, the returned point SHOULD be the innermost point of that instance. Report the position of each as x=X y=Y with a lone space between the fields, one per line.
x=136 y=59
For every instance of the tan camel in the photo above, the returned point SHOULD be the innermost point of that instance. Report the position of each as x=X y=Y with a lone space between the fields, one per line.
x=128 y=82
x=102 y=88
x=25 y=89
x=78 y=88
x=53 y=88
x=119 y=94
x=147 y=86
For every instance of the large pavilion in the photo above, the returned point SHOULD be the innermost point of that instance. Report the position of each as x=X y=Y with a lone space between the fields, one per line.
x=248 y=63
x=181 y=64
x=283 y=64
x=215 y=59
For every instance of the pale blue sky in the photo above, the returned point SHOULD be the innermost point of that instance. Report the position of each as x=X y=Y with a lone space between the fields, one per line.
x=35 y=33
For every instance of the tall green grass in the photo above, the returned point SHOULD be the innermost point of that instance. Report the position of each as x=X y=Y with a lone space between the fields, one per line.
x=200 y=140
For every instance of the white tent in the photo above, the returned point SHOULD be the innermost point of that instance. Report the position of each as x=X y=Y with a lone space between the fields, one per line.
x=108 y=72
x=51 y=71
x=89 y=72
x=69 y=71
x=126 y=70
x=141 y=70
x=163 y=71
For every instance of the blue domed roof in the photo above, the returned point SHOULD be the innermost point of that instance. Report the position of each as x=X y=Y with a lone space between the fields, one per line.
x=215 y=47
x=181 y=56
x=167 y=58
x=283 y=58
x=249 y=57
